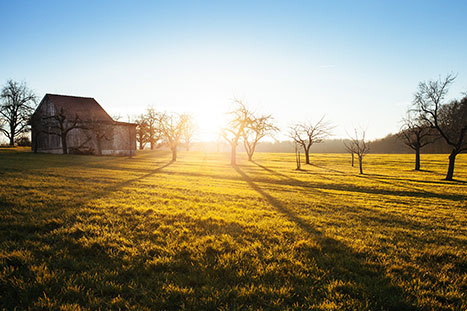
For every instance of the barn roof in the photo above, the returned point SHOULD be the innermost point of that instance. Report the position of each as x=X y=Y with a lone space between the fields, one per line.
x=86 y=108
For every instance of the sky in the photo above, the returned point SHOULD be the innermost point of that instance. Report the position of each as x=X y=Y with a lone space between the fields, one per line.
x=358 y=63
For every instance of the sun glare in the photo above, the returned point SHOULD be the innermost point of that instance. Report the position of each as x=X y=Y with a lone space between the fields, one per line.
x=209 y=124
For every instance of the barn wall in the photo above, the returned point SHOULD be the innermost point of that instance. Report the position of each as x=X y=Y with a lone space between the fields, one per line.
x=123 y=142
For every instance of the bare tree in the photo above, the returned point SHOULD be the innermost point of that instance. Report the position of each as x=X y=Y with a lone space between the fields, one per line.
x=350 y=149
x=17 y=106
x=298 y=158
x=189 y=131
x=307 y=134
x=449 y=119
x=142 y=132
x=172 y=126
x=153 y=122
x=240 y=118
x=58 y=124
x=359 y=146
x=416 y=133
x=101 y=130
x=255 y=130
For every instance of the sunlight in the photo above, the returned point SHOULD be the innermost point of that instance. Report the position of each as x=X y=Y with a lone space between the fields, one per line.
x=209 y=123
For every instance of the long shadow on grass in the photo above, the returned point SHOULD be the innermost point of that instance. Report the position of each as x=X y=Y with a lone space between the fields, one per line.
x=352 y=188
x=411 y=191
x=342 y=262
x=366 y=214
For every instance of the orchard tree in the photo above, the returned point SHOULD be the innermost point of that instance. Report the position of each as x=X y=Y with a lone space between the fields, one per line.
x=359 y=146
x=416 y=133
x=142 y=136
x=16 y=107
x=306 y=134
x=189 y=131
x=256 y=129
x=448 y=119
x=101 y=130
x=153 y=126
x=240 y=118
x=172 y=126
x=350 y=149
x=60 y=125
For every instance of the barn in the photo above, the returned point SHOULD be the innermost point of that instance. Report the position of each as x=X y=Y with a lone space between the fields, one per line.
x=79 y=125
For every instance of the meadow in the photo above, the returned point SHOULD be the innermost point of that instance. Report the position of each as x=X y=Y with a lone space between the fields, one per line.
x=144 y=233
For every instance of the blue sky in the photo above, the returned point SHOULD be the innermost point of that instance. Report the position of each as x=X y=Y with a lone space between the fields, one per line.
x=357 y=62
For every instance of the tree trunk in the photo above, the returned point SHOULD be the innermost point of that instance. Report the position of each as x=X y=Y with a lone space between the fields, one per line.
x=64 y=144
x=141 y=145
x=298 y=160
x=12 y=140
x=417 y=159
x=233 y=155
x=353 y=159
x=452 y=160
x=174 y=154
x=307 y=156
x=360 y=162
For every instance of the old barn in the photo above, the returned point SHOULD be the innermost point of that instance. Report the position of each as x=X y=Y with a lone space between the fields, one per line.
x=79 y=125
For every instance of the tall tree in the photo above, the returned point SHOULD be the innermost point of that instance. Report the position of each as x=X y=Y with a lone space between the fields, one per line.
x=172 y=126
x=17 y=105
x=416 y=133
x=255 y=130
x=240 y=117
x=306 y=134
x=359 y=146
x=449 y=119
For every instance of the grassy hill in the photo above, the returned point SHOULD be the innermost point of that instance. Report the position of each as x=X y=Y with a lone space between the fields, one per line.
x=84 y=232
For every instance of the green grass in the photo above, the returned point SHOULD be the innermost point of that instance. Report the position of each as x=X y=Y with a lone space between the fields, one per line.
x=84 y=232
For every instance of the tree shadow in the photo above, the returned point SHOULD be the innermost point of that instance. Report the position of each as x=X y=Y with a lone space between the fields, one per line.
x=341 y=261
x=413 y=191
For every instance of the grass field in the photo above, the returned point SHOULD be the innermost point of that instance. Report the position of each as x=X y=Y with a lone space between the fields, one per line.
x=84 y=232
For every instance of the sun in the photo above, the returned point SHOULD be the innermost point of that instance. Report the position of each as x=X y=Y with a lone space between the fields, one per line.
x=209 y=123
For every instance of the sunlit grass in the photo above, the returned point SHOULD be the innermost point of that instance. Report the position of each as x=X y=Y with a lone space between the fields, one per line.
x=80 y=232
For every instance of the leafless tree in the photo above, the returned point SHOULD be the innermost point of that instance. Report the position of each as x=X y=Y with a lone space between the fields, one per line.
x=189 y=131
x=100 y=130
x=58 y=124
x=416 y=133
x=359 y=146
x=449 y=119
x=298 y=159
x=172 y=126
x=307 y=134
x=16 y=108
x=142 y=135
x=256 y=129
x=154 y=130
x=350 y=149
x=240 y=118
